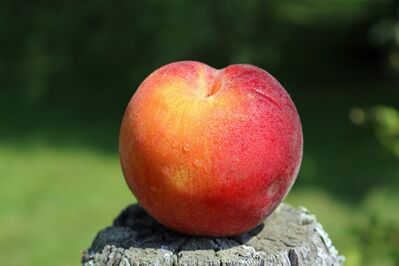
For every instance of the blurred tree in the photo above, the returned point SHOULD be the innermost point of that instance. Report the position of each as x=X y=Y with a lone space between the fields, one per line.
x=385 y=35
x=92 y=56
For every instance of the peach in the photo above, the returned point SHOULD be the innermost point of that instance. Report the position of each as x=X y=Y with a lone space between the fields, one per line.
x=210 y=152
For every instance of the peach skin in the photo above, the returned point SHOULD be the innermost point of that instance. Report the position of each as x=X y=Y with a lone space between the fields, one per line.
x=210 y=152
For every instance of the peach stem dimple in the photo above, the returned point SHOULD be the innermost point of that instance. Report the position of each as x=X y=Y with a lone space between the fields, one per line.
x=216 y=85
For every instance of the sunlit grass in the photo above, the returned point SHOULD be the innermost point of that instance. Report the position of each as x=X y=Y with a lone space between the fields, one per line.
x=55 y=198
x=366 y=233
x=53 y=201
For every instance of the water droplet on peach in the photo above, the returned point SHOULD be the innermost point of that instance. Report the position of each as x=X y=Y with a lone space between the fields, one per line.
x=186 y=147
x=175 y=145
x=197 y=163
x=273 y=189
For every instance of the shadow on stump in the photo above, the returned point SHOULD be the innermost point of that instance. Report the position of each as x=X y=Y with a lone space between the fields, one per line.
x=135 y=228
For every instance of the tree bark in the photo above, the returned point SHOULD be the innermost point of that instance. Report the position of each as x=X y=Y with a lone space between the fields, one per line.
x=289 y=236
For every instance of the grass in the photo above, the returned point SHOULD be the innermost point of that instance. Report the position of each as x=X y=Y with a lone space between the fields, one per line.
x=60 y=182
x=363 y=233
x=54 y=200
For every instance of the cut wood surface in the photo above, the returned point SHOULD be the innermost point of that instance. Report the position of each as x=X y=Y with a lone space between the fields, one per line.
x=289 y=236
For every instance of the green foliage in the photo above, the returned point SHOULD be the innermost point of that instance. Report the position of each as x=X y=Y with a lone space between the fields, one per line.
x=385 y=34
x=93 y=55
x=378 y=234
x=385 y=123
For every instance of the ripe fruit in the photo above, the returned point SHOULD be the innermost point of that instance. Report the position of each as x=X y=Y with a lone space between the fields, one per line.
x=210 y=152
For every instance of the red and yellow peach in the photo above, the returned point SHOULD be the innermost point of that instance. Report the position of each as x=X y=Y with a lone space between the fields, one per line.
x=210 y=152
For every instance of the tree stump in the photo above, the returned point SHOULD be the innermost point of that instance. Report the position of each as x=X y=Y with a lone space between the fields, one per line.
x=289 y=236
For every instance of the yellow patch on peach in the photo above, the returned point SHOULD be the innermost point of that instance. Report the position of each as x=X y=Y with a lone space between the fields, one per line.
x=181 y=179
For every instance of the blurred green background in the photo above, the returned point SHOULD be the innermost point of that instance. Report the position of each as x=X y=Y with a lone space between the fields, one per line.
x=69 y=68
